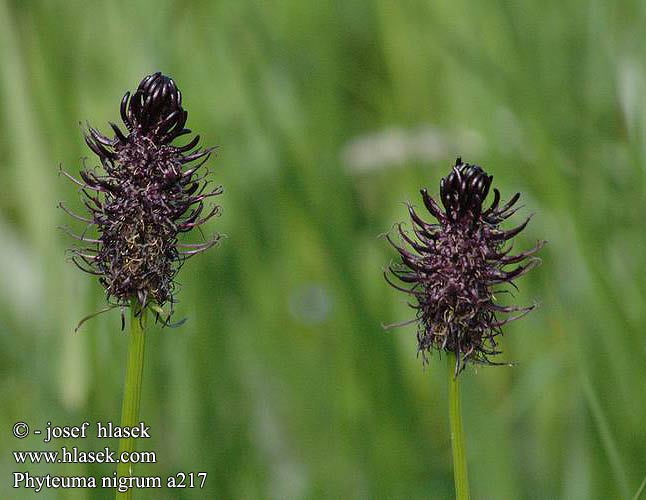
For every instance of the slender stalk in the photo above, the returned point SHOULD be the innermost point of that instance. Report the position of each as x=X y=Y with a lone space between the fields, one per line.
x=132 y=388
x=640 y=490
x=457 y=433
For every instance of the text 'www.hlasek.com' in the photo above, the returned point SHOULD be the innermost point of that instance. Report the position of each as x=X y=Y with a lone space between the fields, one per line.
x=50 y=434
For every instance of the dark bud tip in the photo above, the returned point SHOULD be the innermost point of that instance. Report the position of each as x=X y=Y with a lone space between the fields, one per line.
x=155 y=109
x=464 y=190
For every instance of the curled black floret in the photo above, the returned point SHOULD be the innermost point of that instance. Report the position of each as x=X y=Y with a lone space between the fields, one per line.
x=147 y=193
x=453 y=269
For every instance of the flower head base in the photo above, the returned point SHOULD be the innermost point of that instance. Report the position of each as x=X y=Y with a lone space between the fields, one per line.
x=452 y=267
x=144 y=198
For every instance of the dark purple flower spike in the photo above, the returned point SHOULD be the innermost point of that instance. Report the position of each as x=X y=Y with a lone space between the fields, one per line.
x=452 y=268
x=146 y=195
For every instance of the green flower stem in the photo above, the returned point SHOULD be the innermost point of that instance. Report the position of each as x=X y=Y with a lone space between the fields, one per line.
x=132 y=387
x=457 y=433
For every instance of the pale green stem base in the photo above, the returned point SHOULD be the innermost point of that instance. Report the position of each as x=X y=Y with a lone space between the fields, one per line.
x=132 y=388
x=457 y=433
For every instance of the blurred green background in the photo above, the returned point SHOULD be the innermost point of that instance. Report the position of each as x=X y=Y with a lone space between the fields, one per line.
x=330 y=115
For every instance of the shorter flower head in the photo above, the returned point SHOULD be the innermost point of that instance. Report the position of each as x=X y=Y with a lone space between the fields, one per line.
x=453 y=268
x=143 y=199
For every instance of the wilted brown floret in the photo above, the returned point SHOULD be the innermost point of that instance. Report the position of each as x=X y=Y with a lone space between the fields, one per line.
x=452 y=268
x=148 y=192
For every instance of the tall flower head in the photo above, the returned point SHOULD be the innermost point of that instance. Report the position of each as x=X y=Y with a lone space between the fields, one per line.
x=454 y=268
x=147 y=193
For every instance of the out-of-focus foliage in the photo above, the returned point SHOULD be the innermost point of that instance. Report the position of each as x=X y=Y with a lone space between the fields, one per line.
x=330 y=115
